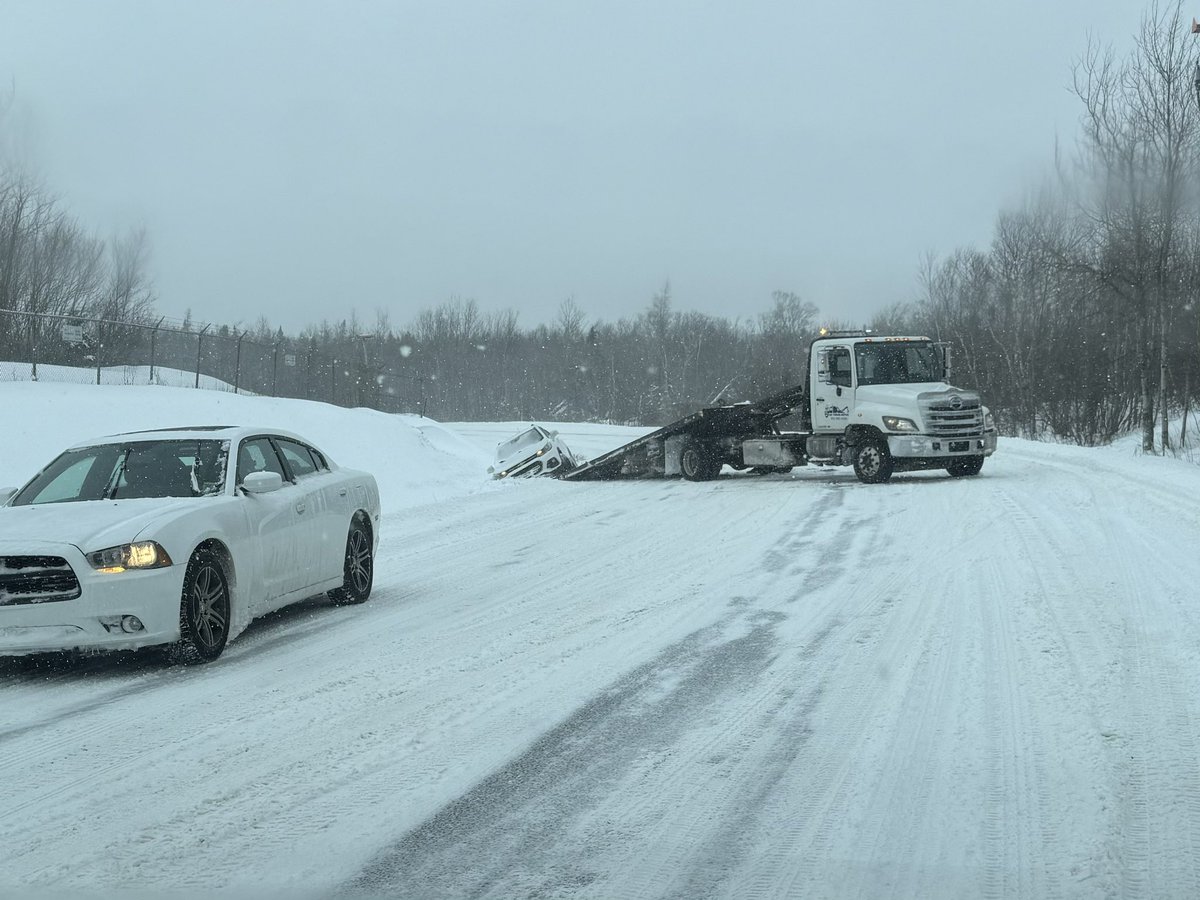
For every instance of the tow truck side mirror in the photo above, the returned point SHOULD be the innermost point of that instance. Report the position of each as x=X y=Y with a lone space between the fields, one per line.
x=945 y=350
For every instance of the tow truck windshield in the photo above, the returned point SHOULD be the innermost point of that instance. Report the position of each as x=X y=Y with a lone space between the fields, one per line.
x=897 y=363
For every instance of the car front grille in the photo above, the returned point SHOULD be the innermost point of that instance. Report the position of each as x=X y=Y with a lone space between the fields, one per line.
x=36 y=579
x=952 y=414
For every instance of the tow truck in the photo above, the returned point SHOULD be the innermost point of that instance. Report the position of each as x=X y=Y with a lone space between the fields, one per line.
x=881 y=404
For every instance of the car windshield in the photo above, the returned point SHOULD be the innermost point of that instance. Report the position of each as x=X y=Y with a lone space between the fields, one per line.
x=138 y=469
x=897 y=363
x=522 y=441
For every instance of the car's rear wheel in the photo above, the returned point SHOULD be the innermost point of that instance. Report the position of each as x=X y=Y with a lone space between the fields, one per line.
x=204 y=609
x=358 y=572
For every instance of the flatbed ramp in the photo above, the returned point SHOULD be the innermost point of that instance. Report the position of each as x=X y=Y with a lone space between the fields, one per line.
x=643 y=457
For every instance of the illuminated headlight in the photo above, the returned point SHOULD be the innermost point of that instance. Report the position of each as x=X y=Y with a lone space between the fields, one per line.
x=142 y=555
x=545 y=449
x=898 y=424
x=989 y=422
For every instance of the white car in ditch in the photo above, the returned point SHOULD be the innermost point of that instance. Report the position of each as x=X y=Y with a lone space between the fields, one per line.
x=179 y=537
x=535 y=451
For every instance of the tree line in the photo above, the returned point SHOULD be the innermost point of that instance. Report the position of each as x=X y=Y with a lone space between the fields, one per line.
x=1080 y=320
x=50 y=263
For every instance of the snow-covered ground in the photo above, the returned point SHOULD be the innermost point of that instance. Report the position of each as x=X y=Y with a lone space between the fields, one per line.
x=756 y=687
x=123 y=375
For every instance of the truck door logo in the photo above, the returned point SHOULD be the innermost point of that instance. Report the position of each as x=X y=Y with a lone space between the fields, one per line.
x=834 y=412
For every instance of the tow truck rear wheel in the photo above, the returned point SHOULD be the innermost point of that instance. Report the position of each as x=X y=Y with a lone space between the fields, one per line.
x=872 y=462
x=968 y=465
x=697 y=463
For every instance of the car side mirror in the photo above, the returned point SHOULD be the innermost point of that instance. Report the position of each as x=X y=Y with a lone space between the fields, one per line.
x=7 y=494
x=262 y=482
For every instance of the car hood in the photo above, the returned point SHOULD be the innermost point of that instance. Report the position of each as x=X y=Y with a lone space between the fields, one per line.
x=89 y=525
x=517 y=457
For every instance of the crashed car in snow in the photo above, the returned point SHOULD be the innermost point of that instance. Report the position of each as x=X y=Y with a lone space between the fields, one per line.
x=535 y=451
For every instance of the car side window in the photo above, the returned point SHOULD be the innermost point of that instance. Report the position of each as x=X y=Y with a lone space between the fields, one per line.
x=298 y=458
x=257 y=455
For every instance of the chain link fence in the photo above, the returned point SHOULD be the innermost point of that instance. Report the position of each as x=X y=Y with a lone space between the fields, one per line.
x=81 y=349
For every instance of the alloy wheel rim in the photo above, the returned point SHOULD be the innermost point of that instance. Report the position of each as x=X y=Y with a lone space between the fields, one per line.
x=210 y=608
x=359 y=560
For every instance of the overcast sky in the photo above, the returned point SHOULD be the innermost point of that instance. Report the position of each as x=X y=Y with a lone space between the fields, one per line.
x=298 y=160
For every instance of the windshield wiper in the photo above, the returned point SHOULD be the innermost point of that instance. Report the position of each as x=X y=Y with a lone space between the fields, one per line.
x=110 y=489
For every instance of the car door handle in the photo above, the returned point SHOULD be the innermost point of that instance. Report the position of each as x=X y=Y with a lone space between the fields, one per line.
x=301 y=507
x=342 y=492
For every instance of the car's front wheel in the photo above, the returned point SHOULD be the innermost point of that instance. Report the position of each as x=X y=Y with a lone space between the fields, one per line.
x=204 y=609
x=358 y=571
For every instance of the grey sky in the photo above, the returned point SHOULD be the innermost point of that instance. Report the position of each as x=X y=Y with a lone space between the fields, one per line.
x=299 y=160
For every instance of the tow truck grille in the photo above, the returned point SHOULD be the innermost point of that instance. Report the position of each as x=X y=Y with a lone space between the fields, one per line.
x=953 y=415
x=36 y=579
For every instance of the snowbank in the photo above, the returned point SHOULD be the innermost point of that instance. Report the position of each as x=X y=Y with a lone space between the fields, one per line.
x=415 y=460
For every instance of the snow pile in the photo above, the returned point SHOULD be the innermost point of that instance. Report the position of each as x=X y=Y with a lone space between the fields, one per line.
x=415 y=460
x=123 y=375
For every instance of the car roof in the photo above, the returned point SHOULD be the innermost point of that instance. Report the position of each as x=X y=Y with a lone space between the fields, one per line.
x=183 y=432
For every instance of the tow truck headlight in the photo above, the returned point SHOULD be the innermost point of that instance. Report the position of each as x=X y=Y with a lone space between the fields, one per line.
x=897 y=424
x=141 y=555
x=989 y=422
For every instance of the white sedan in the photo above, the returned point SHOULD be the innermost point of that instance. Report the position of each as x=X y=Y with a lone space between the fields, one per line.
x=179 y=537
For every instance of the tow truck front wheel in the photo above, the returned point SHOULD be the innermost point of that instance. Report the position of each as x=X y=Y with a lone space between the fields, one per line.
x=872 y=462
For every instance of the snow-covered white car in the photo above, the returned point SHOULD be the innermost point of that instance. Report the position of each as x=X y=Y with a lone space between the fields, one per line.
x=179 y=537
x=535 y=451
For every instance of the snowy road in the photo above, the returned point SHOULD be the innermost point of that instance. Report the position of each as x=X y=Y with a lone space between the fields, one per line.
x=757 y=687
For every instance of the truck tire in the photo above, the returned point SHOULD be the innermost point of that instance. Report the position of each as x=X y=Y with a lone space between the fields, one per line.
x=696 y=462
x=965 y=467
x=872 y=462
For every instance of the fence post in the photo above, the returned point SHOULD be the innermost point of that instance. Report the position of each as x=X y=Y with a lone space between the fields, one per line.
x=333 y=382
x=33 y=345
x=275 y=373
x=199 y=344
x=237 y=366
x=153 y=335
x=99 y=347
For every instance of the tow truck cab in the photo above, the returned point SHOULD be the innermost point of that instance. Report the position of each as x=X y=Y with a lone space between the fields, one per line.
x=885 y=404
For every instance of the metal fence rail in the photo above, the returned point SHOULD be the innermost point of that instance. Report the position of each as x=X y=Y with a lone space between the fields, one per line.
x=83 y=349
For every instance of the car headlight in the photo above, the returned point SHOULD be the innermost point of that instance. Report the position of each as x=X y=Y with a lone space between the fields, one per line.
x=545 y=448
x=898 y=424
x=142 y=555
